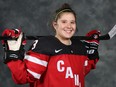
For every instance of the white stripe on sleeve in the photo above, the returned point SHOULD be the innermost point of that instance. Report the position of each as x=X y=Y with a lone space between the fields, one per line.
x=36 y=60
x=86 y=63
x=37 y=76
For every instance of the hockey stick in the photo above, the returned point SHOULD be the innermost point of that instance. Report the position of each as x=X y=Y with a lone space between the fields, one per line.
x=107 y=36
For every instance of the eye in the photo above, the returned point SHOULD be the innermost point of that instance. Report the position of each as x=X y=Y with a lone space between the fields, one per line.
x=73 y=22
x=63 y=21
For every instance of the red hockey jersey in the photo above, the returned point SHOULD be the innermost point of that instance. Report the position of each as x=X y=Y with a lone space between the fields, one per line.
x=50 y=63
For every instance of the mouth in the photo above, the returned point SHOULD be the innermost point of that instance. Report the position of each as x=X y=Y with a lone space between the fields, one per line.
x=68 y=31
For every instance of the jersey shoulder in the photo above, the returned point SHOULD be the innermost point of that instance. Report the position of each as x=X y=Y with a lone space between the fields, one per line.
x=44 y=45
x=50 y=45
x=78 y=44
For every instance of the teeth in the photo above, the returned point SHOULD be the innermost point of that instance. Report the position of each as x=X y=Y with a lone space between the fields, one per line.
x=68 y=31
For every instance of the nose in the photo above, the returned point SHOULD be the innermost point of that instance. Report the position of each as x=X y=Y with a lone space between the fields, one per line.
x=68 y=25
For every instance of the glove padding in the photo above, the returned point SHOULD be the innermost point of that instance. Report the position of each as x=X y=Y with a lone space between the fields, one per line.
x=14 y=49
x=92 y=45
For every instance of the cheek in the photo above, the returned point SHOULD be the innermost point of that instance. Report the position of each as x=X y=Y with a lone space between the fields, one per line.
x=59 y=27
x=74 y=27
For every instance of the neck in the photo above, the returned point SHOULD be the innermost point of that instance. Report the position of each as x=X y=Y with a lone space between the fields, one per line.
x=65 y=41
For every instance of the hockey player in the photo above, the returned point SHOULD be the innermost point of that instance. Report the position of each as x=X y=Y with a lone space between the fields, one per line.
x=53 y=61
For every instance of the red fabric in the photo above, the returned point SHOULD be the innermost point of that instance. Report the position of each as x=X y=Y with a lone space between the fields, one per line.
x=62 y=71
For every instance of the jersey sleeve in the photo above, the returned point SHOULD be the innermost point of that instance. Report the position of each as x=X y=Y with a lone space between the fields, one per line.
x=92 y=59
x=33 y=66
x=90 y=65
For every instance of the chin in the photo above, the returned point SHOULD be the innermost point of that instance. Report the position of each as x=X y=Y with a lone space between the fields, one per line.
x=68 y=37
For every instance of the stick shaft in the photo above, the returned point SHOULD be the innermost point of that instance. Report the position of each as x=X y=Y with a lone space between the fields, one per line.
x=112 y=32
x=103 y=37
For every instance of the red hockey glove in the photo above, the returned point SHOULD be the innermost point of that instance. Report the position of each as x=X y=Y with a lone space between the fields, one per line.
x=14 y=49
x=92 y=45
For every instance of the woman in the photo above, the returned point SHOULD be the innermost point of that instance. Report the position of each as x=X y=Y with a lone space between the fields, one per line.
x=53 y=61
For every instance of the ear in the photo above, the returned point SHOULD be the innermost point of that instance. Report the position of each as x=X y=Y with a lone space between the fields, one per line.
x=54 y=25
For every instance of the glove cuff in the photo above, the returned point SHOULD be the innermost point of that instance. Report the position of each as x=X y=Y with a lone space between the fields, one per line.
x=94 y=56
x=13 y=55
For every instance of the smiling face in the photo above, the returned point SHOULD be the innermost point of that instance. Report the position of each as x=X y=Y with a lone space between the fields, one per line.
x=65 y=26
